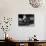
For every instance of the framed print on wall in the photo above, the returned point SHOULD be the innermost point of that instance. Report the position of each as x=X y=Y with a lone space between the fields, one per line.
x=25 y=19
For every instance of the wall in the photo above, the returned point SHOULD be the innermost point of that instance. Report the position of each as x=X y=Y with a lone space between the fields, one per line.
x=11 y=8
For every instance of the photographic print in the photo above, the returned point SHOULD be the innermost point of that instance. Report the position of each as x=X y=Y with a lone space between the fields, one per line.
x=25 y=19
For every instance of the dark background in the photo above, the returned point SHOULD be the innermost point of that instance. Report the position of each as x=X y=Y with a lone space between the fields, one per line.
x=27 y=21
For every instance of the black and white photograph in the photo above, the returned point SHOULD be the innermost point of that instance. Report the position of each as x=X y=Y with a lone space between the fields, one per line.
x=25 y=19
